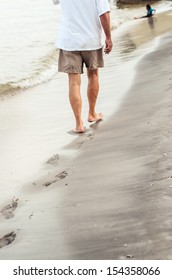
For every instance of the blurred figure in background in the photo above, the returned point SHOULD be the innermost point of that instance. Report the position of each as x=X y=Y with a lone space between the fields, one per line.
x=150 y=12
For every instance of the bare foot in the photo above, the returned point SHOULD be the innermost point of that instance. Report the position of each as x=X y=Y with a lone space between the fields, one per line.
x=95 y=118
x=78 y=130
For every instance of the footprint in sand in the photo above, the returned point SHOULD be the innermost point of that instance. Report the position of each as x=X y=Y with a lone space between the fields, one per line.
x=8 y=210
x=88 y=137
x=46 y=184
x=7 y=239
x=59 y=176
x=54 y=160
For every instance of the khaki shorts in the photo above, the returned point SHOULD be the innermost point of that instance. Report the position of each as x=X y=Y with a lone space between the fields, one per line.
x=73 y=61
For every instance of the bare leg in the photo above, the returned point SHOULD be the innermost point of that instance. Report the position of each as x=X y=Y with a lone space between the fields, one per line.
x=75 y=100
x=92 y=93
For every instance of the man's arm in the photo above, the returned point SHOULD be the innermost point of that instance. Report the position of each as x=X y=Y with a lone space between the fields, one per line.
x=150 y=13
x=105 y=21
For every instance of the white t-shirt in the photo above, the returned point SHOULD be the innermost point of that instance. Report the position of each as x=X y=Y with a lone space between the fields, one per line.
x=80 y=27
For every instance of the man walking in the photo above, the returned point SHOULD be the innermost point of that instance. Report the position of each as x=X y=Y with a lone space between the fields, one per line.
x=80 y=42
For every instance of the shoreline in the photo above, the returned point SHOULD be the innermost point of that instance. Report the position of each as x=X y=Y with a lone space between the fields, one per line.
x=122 y=158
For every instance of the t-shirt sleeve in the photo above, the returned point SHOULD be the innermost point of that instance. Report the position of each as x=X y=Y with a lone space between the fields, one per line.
x=102 y=6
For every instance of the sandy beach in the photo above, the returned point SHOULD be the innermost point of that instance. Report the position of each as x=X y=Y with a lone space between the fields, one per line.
x=107 y=194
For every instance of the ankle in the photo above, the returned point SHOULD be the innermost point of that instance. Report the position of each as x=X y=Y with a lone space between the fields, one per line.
x=92 y=114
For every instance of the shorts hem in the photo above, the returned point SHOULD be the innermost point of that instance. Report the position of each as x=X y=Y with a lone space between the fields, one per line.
x=70 y=71
x=94 y=68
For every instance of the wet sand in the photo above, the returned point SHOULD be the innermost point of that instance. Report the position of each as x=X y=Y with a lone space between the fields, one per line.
x=118 y=201
x=121 y=191
x=112 y=201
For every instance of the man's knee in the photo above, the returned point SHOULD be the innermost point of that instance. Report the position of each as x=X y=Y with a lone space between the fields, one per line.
x=74 y=79
x=92 y=74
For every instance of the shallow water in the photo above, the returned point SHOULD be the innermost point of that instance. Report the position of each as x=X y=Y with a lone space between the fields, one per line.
x=27 y=34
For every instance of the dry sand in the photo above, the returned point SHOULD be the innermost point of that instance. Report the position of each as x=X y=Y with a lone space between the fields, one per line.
x=112 y=201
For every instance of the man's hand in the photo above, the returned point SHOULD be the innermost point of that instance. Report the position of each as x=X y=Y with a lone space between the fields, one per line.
x=108 y=46
x=105 y=21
